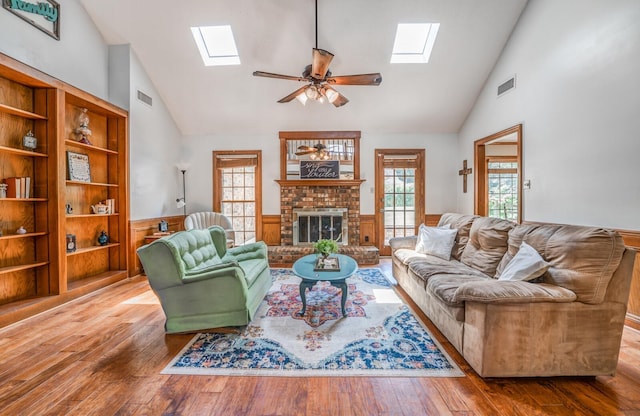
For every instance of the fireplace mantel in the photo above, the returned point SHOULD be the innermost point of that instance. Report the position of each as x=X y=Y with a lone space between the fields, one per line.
x=320 y=182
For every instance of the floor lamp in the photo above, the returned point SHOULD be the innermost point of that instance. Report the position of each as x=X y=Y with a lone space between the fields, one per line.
x=182 y=202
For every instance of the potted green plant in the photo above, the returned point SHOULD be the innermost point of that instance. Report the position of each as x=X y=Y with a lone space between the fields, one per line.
x=325 y=247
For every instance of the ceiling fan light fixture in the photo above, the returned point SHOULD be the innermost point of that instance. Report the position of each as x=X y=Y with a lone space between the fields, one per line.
x=331 y=94
x=312 y=92
x=302 y=97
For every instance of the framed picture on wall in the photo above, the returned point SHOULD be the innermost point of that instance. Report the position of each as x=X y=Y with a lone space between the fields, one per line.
x=78 y=167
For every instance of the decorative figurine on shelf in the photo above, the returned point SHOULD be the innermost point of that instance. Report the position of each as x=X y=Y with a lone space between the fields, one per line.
x=103 y=238
x=29 y=141
x=21 y=230
x=69 y=209
x=71 y=243
x=3 y=190
x=83 y=130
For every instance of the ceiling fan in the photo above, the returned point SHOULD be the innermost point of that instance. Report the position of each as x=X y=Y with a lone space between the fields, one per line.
x=316 y=152
x=320 y=80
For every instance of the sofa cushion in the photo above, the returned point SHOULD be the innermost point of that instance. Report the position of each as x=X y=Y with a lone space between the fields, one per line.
x=407 y=256
x=252 y=269
x=431 y=266
x=526 y=265
x=582 y=259
x=487 y=244
x=436 y=241
x=195 y=249
x=493 y=291
x=445 y=286
x=462 y=223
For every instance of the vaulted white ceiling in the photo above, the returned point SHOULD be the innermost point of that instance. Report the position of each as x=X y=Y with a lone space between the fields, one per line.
x=278 y=36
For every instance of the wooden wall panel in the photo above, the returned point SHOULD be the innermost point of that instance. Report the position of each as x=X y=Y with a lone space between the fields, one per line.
x=431 y=220
x=138 y=229
x=367 y=230
x=271 y=229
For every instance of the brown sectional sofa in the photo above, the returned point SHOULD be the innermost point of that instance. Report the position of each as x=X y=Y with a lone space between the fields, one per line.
x=568 y=324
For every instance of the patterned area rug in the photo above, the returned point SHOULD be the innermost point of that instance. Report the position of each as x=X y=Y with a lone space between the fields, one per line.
x=378 y=337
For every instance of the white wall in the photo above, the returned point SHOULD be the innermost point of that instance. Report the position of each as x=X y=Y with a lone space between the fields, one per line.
x=578 y=96
x=155 y=148
x=79 y=58
x=441 y=155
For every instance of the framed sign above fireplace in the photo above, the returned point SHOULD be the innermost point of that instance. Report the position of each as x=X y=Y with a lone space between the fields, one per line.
x=326 y=157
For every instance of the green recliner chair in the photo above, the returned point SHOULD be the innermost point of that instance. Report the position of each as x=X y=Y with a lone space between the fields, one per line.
x=201 y=284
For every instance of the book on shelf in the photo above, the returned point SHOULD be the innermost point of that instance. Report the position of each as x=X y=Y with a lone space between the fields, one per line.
x=18 y=187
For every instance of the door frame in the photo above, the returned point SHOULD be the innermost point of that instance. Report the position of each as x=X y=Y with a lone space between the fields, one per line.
x=379 y=191
x=481 y=177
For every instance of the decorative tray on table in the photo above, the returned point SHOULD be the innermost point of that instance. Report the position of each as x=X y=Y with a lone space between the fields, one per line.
x=327 y=264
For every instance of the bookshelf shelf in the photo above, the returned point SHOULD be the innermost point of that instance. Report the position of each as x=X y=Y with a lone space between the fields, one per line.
x=20 y=113
x=85 y=250
x=91 y=183
x=15 y=151
x=73 y=143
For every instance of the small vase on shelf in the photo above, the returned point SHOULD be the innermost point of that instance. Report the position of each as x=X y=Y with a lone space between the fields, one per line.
x=103 y=238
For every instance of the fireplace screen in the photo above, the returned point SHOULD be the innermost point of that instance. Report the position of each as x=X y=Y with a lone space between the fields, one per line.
x=311 y=226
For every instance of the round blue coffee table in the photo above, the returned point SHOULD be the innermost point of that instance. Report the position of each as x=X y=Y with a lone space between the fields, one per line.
x=304 y=269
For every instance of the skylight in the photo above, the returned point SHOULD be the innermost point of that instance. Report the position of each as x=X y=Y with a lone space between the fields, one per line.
x=216 y=45
x=414 y=42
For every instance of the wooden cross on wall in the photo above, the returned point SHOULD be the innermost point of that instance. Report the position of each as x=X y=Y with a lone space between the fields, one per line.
x=464 y=172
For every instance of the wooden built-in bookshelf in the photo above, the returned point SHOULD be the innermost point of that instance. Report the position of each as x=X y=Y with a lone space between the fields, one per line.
x=36 y=271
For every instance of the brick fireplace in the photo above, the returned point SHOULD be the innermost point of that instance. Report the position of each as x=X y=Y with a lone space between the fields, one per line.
x=309 y=197
x=298 y=195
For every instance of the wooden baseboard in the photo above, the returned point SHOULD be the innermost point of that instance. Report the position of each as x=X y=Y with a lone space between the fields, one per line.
x=138 y=229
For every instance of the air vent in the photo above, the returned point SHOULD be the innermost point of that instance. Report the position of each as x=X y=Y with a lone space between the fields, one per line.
x=145 y=98
x=507 y=86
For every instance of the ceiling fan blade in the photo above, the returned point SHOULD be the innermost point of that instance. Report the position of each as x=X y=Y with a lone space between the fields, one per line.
x=320 y=63
x=306 y=152
x=292 y=95
x=279 y=76
x=361 y=79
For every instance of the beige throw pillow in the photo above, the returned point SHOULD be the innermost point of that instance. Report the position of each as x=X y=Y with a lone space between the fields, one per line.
x=436 y=241
x=526 y=265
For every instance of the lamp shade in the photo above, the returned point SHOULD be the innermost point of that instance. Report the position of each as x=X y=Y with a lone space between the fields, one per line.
x=183 y=166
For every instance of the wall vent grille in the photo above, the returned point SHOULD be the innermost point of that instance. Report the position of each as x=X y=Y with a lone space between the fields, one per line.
x=145 y=98
x=507 y=86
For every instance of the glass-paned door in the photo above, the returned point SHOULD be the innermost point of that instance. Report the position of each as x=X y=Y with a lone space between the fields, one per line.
x=502 y=187
x=237 y=192
x=399 y=202
x=399 y=194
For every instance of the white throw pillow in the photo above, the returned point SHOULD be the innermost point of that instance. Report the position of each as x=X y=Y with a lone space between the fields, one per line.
x=526 y=265
x=436 y=241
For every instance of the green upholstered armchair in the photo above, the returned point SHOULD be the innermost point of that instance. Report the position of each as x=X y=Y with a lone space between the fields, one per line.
x=201 y=284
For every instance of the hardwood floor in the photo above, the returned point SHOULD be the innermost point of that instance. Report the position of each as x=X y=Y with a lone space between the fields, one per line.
x=102 y=354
